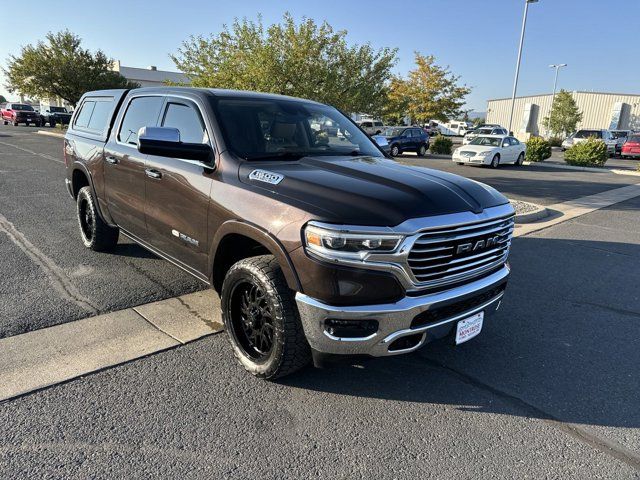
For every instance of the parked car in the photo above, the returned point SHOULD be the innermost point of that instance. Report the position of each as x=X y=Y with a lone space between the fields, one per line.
x=488 y=130
x=54 y=115
x=601 y=134
x=406 y=139
x=620 y=136
x=372 y=127
x=17 y=113
x=491 y=150
x=567 y=142
x=299 y=237
x=631 y=148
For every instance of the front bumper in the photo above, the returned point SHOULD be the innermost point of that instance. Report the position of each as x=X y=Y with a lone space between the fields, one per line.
x=475 y=160
x=395 y=320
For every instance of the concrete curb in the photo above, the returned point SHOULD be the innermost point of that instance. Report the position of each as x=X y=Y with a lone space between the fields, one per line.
x=50 y=134
x=53 y=355
x=561 y=212
x=615 y=171
x=539 y=213
x=46 y=357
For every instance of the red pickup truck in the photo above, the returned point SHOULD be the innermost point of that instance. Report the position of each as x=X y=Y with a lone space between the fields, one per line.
x=17 y=113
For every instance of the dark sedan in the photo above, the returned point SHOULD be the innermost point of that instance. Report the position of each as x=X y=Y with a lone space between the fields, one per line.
x=407 y=139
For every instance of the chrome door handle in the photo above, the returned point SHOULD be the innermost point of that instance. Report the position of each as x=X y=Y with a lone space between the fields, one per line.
x=111 y=160
x=153 y=173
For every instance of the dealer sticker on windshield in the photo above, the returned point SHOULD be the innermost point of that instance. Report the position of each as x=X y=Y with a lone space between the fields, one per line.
x=469 y=327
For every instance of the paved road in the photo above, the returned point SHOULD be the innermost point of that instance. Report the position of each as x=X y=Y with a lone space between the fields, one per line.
x=47 y=277
x=548 y=390
x=531 y=183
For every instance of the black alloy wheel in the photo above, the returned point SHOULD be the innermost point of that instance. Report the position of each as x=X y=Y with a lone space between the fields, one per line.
x=252 y=321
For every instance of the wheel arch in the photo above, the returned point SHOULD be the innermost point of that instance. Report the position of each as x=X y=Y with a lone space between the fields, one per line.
x=236 y=240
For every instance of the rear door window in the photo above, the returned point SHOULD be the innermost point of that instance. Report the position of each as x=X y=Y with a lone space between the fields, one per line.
x=187 y=120
x=141 y=112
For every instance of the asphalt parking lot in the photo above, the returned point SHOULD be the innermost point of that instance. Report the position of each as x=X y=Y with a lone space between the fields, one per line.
x=548 y=390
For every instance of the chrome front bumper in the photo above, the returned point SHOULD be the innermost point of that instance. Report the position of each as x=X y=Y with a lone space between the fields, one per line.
x=394 y=319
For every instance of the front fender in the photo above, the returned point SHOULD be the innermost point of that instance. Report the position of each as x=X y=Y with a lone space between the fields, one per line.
x=264 y=238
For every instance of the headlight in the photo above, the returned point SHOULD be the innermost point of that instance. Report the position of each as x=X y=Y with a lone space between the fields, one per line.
x=337 y=243
x=484 y=154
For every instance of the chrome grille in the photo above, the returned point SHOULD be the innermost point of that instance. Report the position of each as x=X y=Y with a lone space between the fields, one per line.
x=451 y=254
x=467 y=153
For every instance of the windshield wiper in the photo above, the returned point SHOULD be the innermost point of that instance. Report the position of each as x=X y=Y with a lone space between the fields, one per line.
x=277 y=156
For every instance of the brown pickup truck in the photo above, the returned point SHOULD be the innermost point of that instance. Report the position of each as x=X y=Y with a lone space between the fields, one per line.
x=318 y=243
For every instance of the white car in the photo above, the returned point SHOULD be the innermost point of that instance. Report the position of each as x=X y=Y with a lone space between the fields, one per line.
x=487 y=130
x=372 y=127
x=492 y=150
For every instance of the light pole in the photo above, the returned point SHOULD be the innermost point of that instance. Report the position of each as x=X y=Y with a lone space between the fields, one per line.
x=515 y=81
x=555 y=84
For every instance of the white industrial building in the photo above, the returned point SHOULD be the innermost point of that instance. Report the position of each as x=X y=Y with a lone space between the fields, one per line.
x=149 y=77
x=599 y=110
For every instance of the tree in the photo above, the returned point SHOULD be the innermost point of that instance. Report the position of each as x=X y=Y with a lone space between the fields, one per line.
x=429 y=92
x=304 y=60
x=478 y=121
x=565 y=115
x=2 y=99
x=60 y=67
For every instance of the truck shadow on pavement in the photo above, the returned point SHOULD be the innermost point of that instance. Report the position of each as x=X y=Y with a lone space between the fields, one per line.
x=563 y=346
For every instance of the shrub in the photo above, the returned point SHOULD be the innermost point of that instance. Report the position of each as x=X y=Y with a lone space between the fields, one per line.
x=555 y=141
x=441 y=145
x=592 y=153
x=538 y=149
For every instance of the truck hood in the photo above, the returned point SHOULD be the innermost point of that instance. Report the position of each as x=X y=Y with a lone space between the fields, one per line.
x=368 y=190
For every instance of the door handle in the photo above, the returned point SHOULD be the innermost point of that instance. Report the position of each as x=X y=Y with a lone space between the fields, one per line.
x=111 y=160
x=153 y=173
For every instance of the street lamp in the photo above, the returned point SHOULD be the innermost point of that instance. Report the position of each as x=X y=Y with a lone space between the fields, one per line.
x=515 y=81
x=555 y=84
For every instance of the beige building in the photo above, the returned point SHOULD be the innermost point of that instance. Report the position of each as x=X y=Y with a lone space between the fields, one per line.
x=149 y=77
x=599 y=110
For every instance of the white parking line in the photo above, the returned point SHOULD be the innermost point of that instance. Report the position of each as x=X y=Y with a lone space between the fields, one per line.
x=43 y=155
x=57 y=277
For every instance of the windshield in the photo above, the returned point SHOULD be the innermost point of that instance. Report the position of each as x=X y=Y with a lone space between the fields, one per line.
x=486 y=141
x=265 y=128
x=618 y=134
x=17 y=106
x=483 y=131
x=589 y=133
x=58 y=109
x=634 y=139
x=393 y=132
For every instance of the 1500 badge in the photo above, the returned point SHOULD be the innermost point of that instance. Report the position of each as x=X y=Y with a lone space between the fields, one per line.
x=266 y=176
x=185 y=238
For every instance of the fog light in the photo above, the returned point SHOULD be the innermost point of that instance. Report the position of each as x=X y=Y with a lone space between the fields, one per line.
x=350 y=328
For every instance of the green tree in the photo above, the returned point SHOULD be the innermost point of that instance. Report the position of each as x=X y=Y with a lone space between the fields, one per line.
x=304 y=60
x=2 y=99
x=60 y=67
x=429 y=92
x=478 y=121
x=565 y=115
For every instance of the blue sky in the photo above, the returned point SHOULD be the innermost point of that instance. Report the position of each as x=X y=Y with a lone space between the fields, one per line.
x=476 y=38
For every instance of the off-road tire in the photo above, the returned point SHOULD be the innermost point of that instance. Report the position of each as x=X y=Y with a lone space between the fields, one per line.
x=94 y=232
x=290 y=350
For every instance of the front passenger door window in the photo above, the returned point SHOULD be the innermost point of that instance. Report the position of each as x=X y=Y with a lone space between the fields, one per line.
x=187 y=121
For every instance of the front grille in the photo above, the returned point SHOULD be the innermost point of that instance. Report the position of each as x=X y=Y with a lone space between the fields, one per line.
x=451 y=254
x=466 y=153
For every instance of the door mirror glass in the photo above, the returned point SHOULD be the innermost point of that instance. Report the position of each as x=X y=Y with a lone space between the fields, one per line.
x=165 y=142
